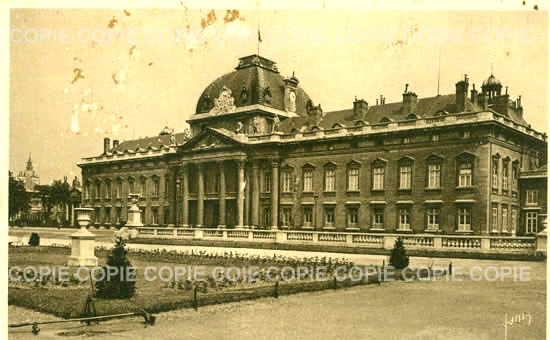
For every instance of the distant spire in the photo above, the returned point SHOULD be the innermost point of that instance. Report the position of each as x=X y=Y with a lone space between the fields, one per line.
x=29 y=162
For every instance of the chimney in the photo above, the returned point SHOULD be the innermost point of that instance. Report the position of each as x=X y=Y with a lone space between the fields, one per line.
x=519 y=107
x=500 y=103
x=409 y=101
x=115 y=143
x=483 y=100
x=360 y=107
x=381 y=100
x=106 y=145
x=473 y=94
x=316 y=111
x=462 y=94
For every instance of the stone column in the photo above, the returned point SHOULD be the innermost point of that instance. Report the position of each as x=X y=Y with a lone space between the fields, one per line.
x=247 y=198
x=240 y=195
x=72 y=214
x=221 y=169
x=274 y=193
x=200 y=196
x=255 y=195
x=185 y=198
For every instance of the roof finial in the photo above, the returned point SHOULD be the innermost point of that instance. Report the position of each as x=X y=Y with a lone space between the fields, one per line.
x=406 y=87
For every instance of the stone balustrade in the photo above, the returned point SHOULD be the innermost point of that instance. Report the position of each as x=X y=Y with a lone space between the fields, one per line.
x=454 y=243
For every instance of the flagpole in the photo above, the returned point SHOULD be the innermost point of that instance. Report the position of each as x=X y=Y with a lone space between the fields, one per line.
x=259 y=35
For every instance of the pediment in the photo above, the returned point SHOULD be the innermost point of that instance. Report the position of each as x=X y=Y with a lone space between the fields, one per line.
x=209 y=140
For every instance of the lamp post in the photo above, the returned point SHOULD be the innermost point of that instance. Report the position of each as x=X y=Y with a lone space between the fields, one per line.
x=83 y=241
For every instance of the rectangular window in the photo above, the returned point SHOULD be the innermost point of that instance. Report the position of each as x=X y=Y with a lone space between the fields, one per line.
x=143 y=187
x=267 y=217
x=465 y=134
x=329 y=217
x=505 y=177
x=532 y=197
x=119 y=189
x=118 y=215
x=330 y=175
x=167 y=186
x=155 y=216
x=166 y=215
x=378 y=178
x=107 y=215
x=464 y=219
x=267 y=181
x=514 y=178
x=514 y=217
x=308 y=180
x=287 y=181
x=97 y=190
x=217 y=183
x=494 y=219
x=465 y=174
x=131 y=187
x=108 y=190
x=495 y=174
x=406 y=140
x=87 y=189
x=156 y=187
x=97 y=211
x=353 y=179
x=404 y=219
x=308 y=216
x=531 y=219
x=378 y=217
x=434 y=138
x=286 y=217
x=353 y=217
x=405 y=176
x=433 y=219
x=434 y=176
x=142 y=213
x=505 y=219
x=178 y=188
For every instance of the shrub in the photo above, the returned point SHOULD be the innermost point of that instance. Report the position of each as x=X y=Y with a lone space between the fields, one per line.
x=34 y=240
x=399 y=258
x=123 y=284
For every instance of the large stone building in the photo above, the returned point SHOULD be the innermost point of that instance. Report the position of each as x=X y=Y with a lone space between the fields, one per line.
x=261 y=154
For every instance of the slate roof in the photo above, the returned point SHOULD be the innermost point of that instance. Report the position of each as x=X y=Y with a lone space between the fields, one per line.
x=156 y=142
x=425 y=108
x=255 y=76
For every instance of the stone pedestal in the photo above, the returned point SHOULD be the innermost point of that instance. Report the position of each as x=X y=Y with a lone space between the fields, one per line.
x=83 y=242
x=542 y=238
x=134 y=217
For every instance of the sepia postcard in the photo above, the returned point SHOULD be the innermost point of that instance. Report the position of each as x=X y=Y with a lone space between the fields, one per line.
x=250 y=170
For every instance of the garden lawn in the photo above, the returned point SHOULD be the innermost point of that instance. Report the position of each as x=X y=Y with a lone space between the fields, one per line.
x=152 y=296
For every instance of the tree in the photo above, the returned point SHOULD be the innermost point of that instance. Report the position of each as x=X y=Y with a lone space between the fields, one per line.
x=123 y=284
x=45 y=194
x=19 y=199
x=399 y=258
x=55 y=195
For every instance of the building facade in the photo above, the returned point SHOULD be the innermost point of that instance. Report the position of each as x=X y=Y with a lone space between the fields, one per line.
x=261 y=154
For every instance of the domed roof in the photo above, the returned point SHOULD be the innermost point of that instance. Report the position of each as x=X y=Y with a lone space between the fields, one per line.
x=492 y=80
x=256 y=80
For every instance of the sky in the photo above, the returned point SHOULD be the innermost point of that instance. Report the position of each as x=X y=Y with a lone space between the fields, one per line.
x=77 y=76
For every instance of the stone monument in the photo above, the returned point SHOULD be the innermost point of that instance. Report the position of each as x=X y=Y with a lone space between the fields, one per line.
x=83 y=241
